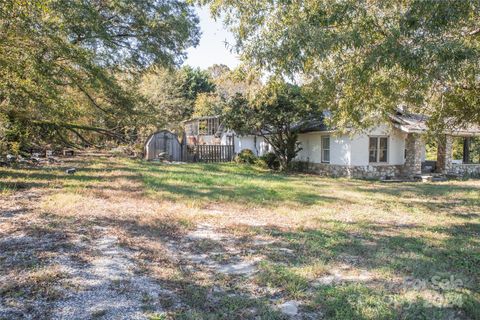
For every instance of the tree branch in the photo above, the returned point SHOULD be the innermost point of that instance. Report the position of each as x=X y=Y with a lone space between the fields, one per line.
x=474 y=32
x=90 y=98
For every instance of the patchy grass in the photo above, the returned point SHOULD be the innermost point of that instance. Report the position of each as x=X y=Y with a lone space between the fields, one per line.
x=343 y=249
x=283 y=278
x=354 y=301
x=40 y=283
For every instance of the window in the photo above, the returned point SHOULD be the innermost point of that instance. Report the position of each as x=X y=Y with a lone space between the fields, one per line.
x=208 y=126
x=326 y=149
x=378 y=149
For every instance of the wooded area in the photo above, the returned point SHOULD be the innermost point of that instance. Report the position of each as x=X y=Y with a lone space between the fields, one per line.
x=85 y=73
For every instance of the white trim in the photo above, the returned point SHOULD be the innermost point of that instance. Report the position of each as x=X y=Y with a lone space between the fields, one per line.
x=322 y=149
x=376 y=163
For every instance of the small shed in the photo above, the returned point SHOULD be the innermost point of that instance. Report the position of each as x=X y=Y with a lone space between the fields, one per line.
x=164 y=145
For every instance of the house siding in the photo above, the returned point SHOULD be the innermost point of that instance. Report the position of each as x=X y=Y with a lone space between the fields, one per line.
x=349 y=154
x=346 y=150
x=256 y=144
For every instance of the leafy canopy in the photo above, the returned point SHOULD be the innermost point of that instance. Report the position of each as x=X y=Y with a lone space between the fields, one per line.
x=172 y=94
x=276 y=112
x=67 y=67
x=366 y=58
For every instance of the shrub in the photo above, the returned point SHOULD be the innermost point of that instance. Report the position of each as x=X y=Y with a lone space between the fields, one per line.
x=246 y=156
x=271 y=160
x=300 y=166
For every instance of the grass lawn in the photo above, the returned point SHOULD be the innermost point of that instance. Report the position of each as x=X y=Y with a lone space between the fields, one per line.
x=226 y=241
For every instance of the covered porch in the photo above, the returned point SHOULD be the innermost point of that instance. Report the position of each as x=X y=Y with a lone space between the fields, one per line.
x=465 y=141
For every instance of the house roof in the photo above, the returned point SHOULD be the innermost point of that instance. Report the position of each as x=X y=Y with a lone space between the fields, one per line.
x=409 y=122
x=406 y=122
x=312 y=126
x=201 y=118
x=417 y=123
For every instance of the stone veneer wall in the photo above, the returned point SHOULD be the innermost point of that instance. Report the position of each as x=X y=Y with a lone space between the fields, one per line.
x=414 y=146
x=466 y=169
x=366 y=172
x=444 y=154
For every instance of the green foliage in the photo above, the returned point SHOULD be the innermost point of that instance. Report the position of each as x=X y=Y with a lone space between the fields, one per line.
x=165 y=101
x=193 y=81
x=67 y=68
x=227 y=84
x=300 y=166
x=275 y=112
x=271 y=160
x=457 y=149
x=208 y=104
x=246 y=156
x=365 y=59
x=172 y=94
x=474 y=149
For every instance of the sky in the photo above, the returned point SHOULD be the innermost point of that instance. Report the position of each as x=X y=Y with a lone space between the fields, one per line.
x=212 y=49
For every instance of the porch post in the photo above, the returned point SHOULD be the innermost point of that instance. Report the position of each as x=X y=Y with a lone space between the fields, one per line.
x=444 y=154
x=413 y=158
x=466 y=150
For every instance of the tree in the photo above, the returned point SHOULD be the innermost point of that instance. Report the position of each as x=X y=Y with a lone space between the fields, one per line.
x=208 y=104
x=171 y=94
x=227 y=84
x=165 y=105
x=192 y=82
x=230 y=82
x=68 y=68
x=366 y=58
x=276 y=112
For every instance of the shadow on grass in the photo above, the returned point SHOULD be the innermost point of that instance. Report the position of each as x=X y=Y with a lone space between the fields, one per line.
x=240 y=194
x=388 y=248
x=190 y=182
x=371 y=247
x=365 y=246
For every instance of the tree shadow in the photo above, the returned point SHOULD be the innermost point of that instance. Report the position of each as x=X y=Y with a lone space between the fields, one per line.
x=240 y=194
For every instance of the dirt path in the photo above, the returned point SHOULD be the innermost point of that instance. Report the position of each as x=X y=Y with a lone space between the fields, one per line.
x=108 y=286
x=56 y=269
x=46 y=272
x=67 y=271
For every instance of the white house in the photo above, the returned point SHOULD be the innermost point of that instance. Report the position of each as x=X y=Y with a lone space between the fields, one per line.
x=396 y=148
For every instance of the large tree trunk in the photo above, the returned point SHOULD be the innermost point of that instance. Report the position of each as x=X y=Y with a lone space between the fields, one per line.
x=284 y=146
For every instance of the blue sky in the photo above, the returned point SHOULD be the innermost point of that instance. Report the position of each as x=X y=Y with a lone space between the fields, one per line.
x=212 y=49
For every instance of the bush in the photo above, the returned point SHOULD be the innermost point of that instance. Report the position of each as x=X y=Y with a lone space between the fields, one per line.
x=271 y=160
x=246 y=156
x=300 y=166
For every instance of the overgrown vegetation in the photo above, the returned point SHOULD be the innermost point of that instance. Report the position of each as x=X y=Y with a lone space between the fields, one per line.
x=364 y=59
x=68 y=69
